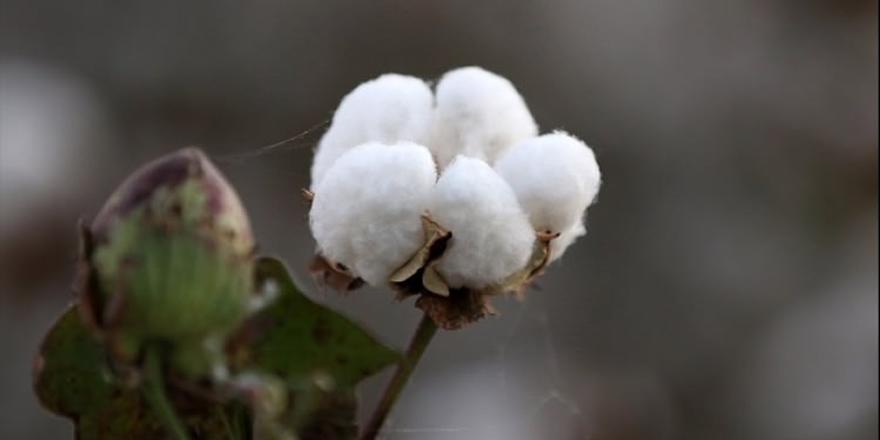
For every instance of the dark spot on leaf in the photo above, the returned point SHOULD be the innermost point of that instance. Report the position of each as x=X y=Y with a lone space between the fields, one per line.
x=309 y=337
x=322 y=331
x=176 y=210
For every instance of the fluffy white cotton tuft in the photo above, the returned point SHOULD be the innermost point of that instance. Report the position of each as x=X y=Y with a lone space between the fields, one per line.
x=565 y=239
x=478 y=114
x=367 y=210
x=491 y=235
x=555 y=178
x=388 y=109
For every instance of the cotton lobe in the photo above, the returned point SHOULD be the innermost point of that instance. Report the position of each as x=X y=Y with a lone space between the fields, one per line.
x=387 y=109
x=555 y=178
x=478 y=114
x=366 y=212
x=491 y=235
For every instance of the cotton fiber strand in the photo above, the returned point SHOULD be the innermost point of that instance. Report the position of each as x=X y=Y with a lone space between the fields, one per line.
x=366 y=212
x=491 y=235
x=478 y=114
x=388 y=109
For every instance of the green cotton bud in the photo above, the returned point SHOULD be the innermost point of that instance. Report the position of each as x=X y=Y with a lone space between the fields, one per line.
x=168 y=260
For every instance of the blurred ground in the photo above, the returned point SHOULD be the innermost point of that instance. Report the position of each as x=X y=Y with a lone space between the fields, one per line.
x=728 y=288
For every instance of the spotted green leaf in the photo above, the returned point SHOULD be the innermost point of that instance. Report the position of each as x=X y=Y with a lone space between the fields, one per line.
x=296 y=338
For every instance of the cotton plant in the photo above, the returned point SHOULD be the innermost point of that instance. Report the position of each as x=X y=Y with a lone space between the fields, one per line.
x=452 y=195
x=179 y=329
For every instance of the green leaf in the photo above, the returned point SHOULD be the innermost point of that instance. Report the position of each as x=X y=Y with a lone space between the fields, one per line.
x=318 y=353
x=72 y=378
x=70 y=373
x=296 y=338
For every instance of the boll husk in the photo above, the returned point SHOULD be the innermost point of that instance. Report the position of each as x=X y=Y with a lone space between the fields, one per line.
x=169 y=260
x=366 y=212
x=387 y=109
x=478 y=114
x=491 y=235
x=555 y=178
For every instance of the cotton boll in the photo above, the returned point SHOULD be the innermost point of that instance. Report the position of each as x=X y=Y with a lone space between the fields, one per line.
x=366 y=212
x=491 y=235
x=555 y=177
x=478 y=114
x=565 y=239
x=388 y=109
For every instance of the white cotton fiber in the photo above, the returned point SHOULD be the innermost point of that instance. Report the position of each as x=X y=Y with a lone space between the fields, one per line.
x=478 y=114
x=555 y=178
x=491 y=235
x=388 y=109
x=366 y=213
x=565 y=239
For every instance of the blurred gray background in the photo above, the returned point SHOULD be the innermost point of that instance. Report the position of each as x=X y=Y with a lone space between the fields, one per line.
x=728 y=288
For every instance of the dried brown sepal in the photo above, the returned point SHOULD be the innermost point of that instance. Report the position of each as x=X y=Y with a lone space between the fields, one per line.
x=546 y=236
x=538 y=263
x=406 y=289
x=85 y=285
x=306 y=194
x=452 y=309
x=101 y=317
x=333 y=275
x=519 y=281
x=418 y=275
x=460 y=308
x=433 y=282
x=436 y=239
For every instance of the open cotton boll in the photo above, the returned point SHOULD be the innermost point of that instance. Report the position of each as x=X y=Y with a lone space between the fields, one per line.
x=478 y=114
x=555 y=178
x=388 y=109
x=491 y=235
x=366 y=212
x=565 y=239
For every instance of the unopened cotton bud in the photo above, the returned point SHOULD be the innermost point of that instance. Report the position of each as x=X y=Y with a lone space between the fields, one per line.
x=478 y=114
x=491 y=235
x=172 y=243
x=555 y=178
x=387 y=109
x=366 y=212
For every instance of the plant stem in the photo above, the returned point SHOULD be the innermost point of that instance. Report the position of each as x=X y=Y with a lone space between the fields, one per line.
x=154 y=392
x=420 y=340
